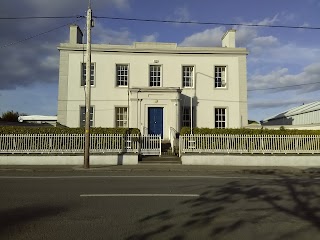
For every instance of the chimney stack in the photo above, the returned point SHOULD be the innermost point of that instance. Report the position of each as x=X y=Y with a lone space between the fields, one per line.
x=229 y=39
x=75 y=34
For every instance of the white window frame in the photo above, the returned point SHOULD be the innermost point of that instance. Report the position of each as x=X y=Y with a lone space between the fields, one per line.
x=121 y=122
x=153 y=79
x=220 y=117
x=122 y=75
x=220 y=76
x=92 y=74
x=82 y=113
x=188 y=76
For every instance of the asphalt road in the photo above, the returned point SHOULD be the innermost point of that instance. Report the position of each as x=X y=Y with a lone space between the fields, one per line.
x=98 y=205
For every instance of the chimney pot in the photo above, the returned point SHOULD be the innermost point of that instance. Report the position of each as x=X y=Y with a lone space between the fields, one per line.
x=75 y=34
x=229 y=39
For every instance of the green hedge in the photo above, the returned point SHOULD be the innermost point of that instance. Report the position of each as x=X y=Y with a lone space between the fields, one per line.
x=245 y=131
x=64 y=130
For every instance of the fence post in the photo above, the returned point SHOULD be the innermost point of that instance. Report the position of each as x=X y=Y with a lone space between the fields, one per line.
x=180 y=140
x=160 y=145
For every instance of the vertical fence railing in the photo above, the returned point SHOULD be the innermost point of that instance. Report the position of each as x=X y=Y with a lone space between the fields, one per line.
x=68 y=143
x=264 y=144
x=150 y=145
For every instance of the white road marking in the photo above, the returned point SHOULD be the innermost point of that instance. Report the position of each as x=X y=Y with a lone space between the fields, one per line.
x=140 y=195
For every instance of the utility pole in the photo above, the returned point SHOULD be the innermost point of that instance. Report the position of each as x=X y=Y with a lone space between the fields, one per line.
x=191 y=113
x=88 y=91
x=128 y=110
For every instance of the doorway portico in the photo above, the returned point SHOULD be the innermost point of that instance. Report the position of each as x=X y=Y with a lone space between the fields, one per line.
x=155 y=110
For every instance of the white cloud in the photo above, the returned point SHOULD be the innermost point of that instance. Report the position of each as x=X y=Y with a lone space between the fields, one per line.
x=282 y=54
x=181 y=14
x=261 y=46
x=207 y=38
x=244 y=35
x=50 y=62
x=288 y=17
x=268 y=41
x=269 y=21
x=280 y=78
x=212 y=37
x=281 y=17
x=103 y=35
x=313 y=69
x=150 y=38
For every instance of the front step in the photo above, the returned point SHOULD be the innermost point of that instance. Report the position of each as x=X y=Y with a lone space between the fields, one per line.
x=160 y=160
x=166 y=149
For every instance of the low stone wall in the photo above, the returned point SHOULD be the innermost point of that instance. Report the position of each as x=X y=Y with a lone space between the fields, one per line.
x=110 y=159
x=251 y=160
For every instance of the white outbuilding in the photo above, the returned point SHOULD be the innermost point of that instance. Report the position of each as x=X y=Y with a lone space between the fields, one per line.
x=306 y=116
x=38 y=119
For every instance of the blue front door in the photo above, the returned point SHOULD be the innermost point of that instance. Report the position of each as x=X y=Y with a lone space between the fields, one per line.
x=155 y=120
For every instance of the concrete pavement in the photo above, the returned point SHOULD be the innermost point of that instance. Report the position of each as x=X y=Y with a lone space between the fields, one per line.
x=150 y=168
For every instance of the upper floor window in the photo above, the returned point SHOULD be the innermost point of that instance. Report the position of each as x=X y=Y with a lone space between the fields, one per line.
x=220 y=117
x=84 y=74
x=83 y=116
x=155 y=75
x=122 y=74
x=121 y=117
x=220 y=76
x=187 y=76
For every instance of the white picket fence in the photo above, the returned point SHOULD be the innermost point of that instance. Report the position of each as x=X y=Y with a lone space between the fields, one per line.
x=283 y=144
x=74 y=143
x=151 y=144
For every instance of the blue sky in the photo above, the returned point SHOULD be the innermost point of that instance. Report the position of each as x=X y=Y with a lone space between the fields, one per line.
x=278 y=57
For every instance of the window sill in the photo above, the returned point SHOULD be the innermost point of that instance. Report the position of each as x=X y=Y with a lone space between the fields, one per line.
x=221 y=88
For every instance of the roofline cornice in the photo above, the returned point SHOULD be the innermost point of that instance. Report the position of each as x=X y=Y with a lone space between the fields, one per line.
x=159 y=49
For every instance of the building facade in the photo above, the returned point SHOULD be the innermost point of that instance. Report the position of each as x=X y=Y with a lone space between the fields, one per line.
x=154 y=86
x=306 y=116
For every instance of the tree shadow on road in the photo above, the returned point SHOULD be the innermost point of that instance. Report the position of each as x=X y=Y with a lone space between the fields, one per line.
x=282 y=208
x=263 y=202
x=20 y=215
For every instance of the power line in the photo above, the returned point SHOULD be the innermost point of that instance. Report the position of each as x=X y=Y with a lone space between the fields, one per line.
x=297 y=85
x=40 y=17
x=37 y=35
x=163 y=21
x=208 y=23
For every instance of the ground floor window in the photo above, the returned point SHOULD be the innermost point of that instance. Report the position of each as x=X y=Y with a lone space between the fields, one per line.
x=220 y=118
x=186 y=117
x=121 y=117
x=83 y=116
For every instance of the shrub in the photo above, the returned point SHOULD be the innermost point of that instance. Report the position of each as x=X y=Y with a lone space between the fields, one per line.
x=10 y=116
x=64 y=130
x=245 y=131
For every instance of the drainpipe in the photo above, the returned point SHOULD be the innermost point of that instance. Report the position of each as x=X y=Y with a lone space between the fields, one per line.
x=138 y=109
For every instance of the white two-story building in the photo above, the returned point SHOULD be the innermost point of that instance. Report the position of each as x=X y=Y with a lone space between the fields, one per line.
x=152 y=86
